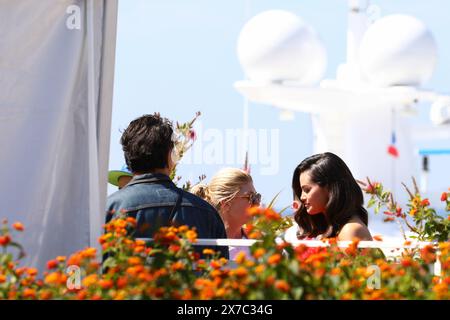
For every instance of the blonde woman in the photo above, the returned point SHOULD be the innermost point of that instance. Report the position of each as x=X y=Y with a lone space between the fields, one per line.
x=231 y=192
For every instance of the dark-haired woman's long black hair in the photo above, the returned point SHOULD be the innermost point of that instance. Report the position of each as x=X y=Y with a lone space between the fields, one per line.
x=345 y=196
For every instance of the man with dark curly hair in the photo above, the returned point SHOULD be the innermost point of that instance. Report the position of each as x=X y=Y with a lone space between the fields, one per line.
x=151 y=197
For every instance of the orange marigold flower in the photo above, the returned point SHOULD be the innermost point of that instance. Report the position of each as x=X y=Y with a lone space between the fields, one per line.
x=260 y=269
x=20 y=271
x=52 y=264
x=29 y=293
x=216 y=273
x=215 y=264
x=161 y=273
x=139 y=242
x=441 y=289
x=103 y=238
x=347 y=296
x=272 y=215
x=336 y=271
x=82 y=294
x=444 y=196
x=352 y=248
x=45 y=295
x=282 y=245
x=282 y=285
x=90 y=280
x=174 y=248
x=61 y=258
x=240 y=257
x=428 y=254
x=131 y=221
x=122 y=282
x=270 y=280
x=254 y=211
x=32 y=271
x=106 y=284
x=133 y=261
x=425 y=202
x=240 y=272
x=259 y=253
x=274 y=259
x=208 y=251
x=191 y=235
x=89 y=253
x=187 y=294
x=52 y=278
x=177 y=266
x=2 y=278
x=248 y=228
x=139 y=249
x=377 y=238
x=256 y=234
x=120 y=224
x=18 y=226
x=406 y=262
x=5 y=240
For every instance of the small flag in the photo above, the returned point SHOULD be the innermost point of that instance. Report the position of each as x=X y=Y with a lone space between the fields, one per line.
x=392 y=149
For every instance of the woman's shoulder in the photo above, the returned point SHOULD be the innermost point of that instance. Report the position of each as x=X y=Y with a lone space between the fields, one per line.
x=354 y=228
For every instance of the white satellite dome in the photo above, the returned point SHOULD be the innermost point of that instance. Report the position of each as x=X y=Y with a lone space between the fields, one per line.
x=398 y=50
x=440 y=111
x=276 y=46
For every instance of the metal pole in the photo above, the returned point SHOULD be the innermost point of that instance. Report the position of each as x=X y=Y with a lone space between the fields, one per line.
x=95 y=213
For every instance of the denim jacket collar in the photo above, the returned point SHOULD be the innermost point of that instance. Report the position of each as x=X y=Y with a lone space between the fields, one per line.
x=159 y=177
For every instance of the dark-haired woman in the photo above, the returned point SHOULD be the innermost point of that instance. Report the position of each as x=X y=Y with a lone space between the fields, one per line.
x=329 y=200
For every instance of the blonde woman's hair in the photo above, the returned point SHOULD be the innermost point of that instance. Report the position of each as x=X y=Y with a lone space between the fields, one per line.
x=224 y=186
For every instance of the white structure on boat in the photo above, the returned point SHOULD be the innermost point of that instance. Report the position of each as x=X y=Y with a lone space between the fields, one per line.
x=372 y=100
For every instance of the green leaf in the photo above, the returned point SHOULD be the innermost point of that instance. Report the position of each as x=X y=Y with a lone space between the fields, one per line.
x=274 y=199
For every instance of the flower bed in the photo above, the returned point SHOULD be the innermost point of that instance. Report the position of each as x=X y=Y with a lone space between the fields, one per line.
x=170 y=269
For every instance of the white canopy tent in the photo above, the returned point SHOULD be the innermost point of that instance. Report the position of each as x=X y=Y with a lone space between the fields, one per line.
x=56 y=88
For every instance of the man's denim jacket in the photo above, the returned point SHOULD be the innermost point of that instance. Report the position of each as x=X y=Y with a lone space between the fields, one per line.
x=151 y=203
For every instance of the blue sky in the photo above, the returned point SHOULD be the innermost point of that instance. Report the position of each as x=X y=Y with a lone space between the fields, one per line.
x=177 y=57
